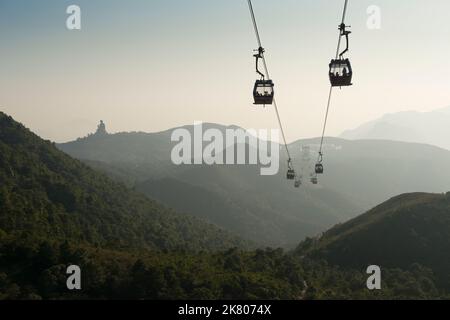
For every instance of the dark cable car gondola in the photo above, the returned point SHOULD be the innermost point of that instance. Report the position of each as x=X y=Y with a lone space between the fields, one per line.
x=314 y=180
x=341 y=71
x=263 y=91
x=291 y=172
x=319 y=168
x=319 y=165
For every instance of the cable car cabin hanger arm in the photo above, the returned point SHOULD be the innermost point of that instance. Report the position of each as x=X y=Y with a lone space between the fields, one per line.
x=259 y=55
x=344 y=33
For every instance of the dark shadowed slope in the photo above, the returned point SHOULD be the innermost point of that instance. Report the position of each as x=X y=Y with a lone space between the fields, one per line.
x=266 y=221
x=408 y=229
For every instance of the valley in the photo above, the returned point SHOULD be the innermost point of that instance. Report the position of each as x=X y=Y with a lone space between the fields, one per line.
x=267 y=209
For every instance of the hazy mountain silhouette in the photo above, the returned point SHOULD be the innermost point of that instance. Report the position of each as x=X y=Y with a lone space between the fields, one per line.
x=370 y=171
x=422 y=127
x=359 y=175
x=264 y=209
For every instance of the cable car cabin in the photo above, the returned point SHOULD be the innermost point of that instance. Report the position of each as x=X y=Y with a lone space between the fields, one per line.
x=341 y=73
x=314 y=180
x=290 y=174
x=263 y=92
x=319 y=168
x=298 y=183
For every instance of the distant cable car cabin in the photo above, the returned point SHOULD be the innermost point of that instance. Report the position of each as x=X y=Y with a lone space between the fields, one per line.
x=319 y=168
x=298 y=183
x=314 y=180
x=291 y=172
x=263 y=91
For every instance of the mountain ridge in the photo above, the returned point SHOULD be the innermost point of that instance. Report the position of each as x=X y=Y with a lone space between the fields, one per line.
x=410 y=126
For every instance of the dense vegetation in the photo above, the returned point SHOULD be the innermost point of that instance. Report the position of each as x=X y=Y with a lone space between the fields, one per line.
x=408 y=229
x=37 y=270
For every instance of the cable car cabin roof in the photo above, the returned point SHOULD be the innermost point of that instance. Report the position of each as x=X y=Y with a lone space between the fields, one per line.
x=268 y=83
x=336 y=63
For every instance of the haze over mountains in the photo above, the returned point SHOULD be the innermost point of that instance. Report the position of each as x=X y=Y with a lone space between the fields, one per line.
x=56 y=211
x=269 y=210
x=410 y=126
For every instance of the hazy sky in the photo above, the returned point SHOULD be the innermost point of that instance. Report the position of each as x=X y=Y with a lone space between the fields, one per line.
x=148 y=65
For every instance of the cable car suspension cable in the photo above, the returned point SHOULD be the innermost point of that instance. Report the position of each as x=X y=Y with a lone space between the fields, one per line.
x=331 y=87
x=258 y=38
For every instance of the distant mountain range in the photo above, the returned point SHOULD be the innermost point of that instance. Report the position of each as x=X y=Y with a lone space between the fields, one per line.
x=56 y=211
x=269 y=210
x=422 y=127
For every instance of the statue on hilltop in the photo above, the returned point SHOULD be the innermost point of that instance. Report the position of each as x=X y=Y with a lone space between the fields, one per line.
x=101 y=129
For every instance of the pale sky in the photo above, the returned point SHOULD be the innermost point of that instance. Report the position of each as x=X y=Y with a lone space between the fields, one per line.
x=149 y=65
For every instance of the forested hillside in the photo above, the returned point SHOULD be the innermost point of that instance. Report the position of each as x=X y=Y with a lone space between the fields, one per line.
x=406 y=230
x=46 y=194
